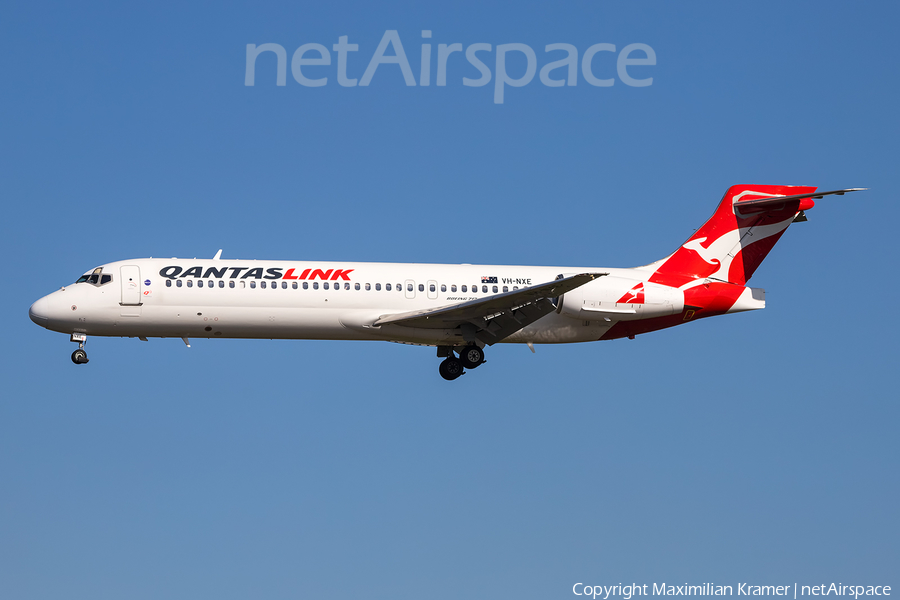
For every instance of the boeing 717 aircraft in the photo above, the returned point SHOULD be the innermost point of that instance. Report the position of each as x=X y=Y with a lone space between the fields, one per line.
x=459 y=309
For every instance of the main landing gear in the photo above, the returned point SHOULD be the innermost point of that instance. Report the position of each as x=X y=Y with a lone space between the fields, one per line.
x=79 y=357
x=452 y=367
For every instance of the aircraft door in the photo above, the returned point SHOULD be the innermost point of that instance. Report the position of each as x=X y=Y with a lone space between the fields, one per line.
x=409 y=287
x=432 y=290
x=131 y=285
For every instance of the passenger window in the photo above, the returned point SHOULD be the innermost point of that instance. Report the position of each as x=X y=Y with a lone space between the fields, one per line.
x=453 y=288
x=325 y=285
x=262 y=284
x=515 y=287
x=178 y=283
x=252 y=284
x=368 y=286
x=221 y=284
x=387 y=287
x=200 y=283
x=495 y=289
x=377 y=287
x=432 y=287
x=484 y=289
x=168 y=283
x=231 y=284
x=505 y=289
x=421 y=287
x=357 y=287
x=243 y=285
x=315 y=285
x=294 y=285
x=284 y=285
x=399 y=288
x=305 y=285
x=190 y=283
x=409 y=287
x=464 y=288
x=347 y=286
x=443 y=287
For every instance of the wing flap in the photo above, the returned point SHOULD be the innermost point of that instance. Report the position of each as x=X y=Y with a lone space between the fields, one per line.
x=505 y=324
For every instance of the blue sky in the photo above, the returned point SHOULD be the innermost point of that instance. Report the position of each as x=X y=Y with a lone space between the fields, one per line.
x=758 y=447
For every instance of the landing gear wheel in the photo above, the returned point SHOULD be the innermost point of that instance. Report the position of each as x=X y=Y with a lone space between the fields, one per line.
x=79 y=357
x=471 y=356
x=451 y=368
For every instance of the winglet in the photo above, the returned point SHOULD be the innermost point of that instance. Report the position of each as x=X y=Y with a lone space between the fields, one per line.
x=218 y=255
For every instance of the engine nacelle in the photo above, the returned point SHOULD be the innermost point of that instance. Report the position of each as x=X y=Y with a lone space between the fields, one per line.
x=619 y=299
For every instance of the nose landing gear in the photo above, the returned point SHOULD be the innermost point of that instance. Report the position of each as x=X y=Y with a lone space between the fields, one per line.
x=79 y=357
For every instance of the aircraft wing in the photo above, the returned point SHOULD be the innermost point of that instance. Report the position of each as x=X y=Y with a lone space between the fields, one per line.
x=496 y=317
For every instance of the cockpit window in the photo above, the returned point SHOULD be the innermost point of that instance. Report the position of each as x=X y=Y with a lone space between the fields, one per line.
x=95 y=277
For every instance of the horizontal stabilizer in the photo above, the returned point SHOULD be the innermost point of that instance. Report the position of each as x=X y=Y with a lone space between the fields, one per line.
x=761 y=204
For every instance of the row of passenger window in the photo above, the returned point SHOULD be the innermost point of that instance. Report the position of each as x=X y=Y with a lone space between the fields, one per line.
x=336 y=285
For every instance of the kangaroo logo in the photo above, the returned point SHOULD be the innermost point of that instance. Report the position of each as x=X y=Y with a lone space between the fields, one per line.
x=706 y=254
x=633 y=296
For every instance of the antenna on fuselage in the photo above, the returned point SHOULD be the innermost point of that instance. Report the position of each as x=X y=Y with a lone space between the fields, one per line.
x=218 y=255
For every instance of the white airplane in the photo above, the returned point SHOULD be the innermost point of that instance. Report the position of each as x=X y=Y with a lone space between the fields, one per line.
x=459 y=309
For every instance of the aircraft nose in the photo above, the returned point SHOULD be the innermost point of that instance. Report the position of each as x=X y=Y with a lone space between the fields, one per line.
x=40 y=312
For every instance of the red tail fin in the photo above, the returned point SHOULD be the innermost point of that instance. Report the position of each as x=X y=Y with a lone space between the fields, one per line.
x=732 y=243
